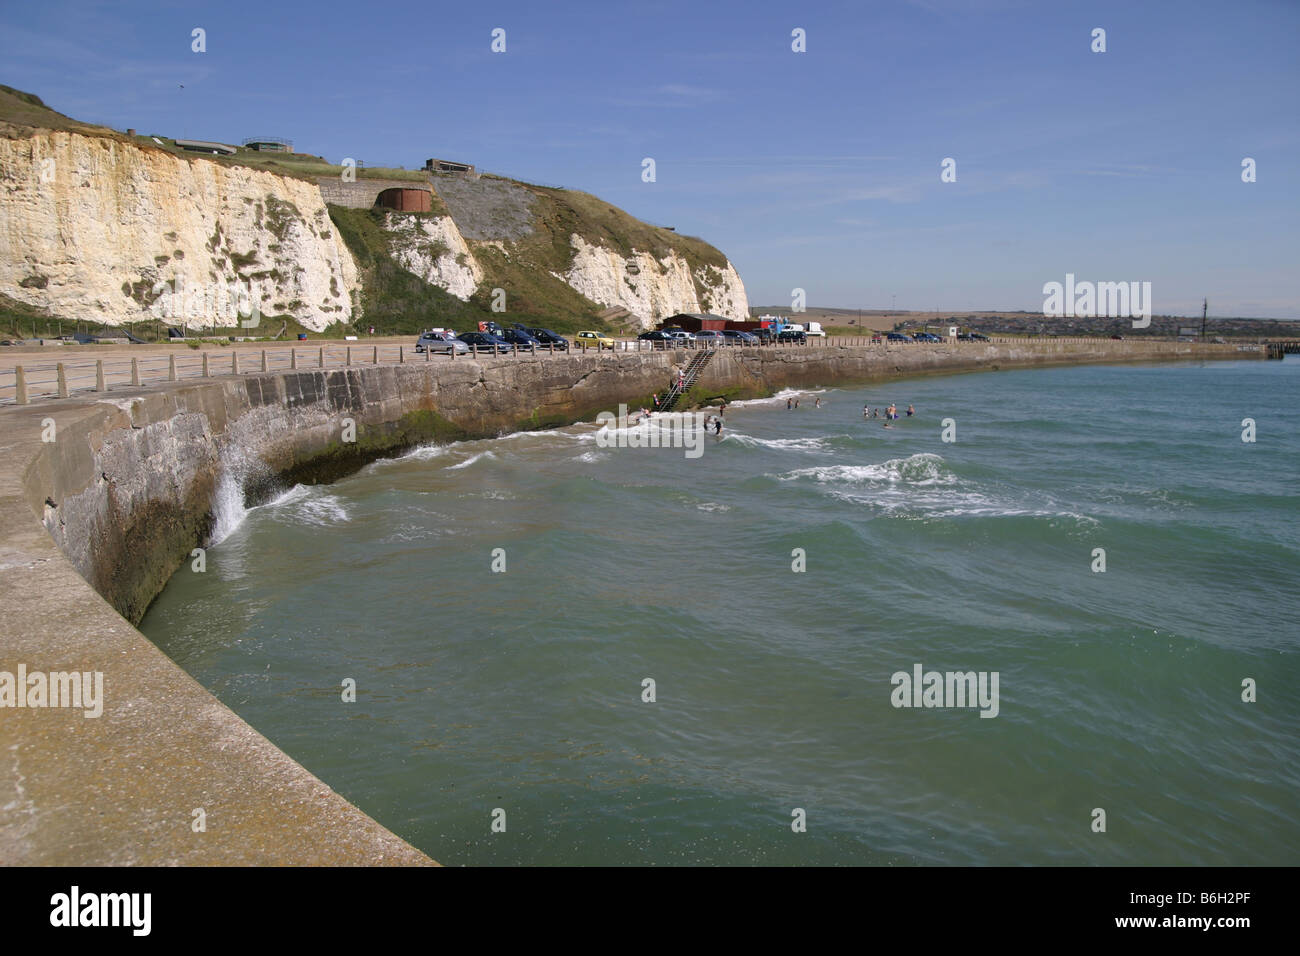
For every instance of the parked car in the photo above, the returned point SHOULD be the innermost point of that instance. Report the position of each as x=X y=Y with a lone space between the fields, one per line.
x=521 y=338
x=708 y=337
x=491 y=328
x=738 y=337
x=681 y=337
x=658 y=339
x=440 y=341
x=927 y=337
x=547 y=337
x=977 y=337
x=485 y=342
x=875 y=337
x=1117 y=337
x=596 y=340
x=899 y=337
x=793 y=335
x=764 y=335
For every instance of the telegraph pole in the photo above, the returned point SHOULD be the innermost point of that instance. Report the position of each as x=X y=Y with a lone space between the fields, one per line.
x=1205 y=308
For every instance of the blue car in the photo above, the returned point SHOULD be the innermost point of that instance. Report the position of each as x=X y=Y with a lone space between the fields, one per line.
x=899 y=337
x=737 y=337
x=521 y=338
x=485 y=342
x=547 y=337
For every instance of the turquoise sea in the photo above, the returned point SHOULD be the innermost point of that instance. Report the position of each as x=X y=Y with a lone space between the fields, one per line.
x=522 y=691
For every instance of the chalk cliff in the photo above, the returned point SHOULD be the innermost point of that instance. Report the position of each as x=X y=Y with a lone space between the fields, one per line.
x=433 y=249
x=96 y=227
x=652 y=288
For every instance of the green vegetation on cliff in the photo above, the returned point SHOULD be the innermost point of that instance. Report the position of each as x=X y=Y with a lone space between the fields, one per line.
x=394 y=300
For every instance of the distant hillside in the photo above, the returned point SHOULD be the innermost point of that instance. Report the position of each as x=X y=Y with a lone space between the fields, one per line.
x=848 y=321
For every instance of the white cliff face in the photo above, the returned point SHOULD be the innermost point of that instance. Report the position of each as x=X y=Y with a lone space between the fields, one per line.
x=653 y=289
x=433 y=249
x=91 y=227
x=725 y=293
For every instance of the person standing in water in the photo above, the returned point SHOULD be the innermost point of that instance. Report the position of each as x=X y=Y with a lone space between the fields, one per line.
x=818 y=403
x=789 y=404
x=722 y=407
x=717 y=427
x=910 y=411
x=866 y=411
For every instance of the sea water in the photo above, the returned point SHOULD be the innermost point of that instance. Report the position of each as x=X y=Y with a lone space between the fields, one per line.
x=565 y=653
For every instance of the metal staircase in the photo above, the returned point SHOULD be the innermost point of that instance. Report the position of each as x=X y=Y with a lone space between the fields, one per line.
x=692 y=373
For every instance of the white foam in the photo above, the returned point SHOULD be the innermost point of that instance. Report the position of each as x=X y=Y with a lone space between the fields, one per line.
x=323 y=510
x=423 y=453
x=921 y=469
x=228 y=510
x=472 y=459
x=788 y=444
x=779 y=397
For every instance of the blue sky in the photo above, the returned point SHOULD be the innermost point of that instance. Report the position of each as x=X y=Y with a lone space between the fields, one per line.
x=818 y=170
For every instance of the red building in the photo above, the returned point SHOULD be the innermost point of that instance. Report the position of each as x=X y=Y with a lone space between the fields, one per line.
x=699 y=322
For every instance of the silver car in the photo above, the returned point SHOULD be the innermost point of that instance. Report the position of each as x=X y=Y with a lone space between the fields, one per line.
x=440 y=341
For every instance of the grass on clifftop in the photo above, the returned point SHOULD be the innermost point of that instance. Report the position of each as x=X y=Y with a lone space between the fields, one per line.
x=23 y=114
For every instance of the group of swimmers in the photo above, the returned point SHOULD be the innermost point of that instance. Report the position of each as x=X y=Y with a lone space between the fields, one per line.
x=891 y=413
